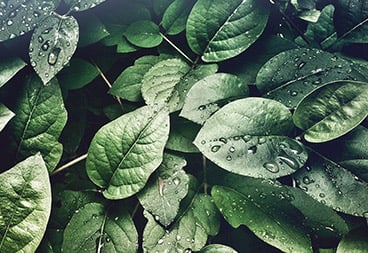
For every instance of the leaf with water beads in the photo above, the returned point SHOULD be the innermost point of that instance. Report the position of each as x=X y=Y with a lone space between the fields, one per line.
x=53 y=43
x=82 y=5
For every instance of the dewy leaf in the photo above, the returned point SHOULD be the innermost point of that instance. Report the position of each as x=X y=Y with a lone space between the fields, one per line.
x=356 y=241
x=290 y=75
x=333 y=186
x=53 y=43
x=175 y=16
x=5 y=116
x=332 y=110
x=218 y=30
x=96 y=228
x=215 y=248
x=170 y=80
x=125 y=152
x=270 y=218
x=207 y=95
x=246 y=137
x=144 y=33
x=163 y=193
x=25 y=197
x=19 y=17
x=9 y=67
x=81 y=5
x=39 y=121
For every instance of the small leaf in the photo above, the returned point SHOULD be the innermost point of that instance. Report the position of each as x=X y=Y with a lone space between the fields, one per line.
x=356 y=241
x=5 y=116
x=206 y=96
x=125 y=152
x=175 y=16
x=95 y=228
x=82 y=5
x=116 y=38
x=25 y=197
x=216 y=248
x=144 y=34
x=9 y=67
x=246 y=137
x=53 y=43
x=332 y=110
x=163 y=193
x=91 y=29
x=218 y=30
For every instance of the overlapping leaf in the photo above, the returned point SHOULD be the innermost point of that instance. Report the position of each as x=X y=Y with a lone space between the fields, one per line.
x=175 y=16
x=91 y=30
x=9 y=67
x=144 y=33
x=5 y=116
x=81 y=5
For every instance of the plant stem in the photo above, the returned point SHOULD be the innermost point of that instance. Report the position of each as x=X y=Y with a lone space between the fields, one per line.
x=135 y=210
x=176 y=48
x=204 y=166
x=69 y=164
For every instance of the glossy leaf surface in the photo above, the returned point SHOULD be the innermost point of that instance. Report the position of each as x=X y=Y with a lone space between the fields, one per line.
x=175 y=16
x=144 y=34
x=81 y=5
x=10 y=67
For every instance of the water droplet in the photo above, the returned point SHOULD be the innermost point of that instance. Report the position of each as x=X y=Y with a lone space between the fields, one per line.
x=33 y=64
x=223 y=140
x=229 y=158
x=293 y=93
x=47 y=30
x=161 y=241
x=246 y=138
x=10 y=22
x=12 y=36
x=157 y=217
x=322 y=195
x=45 y=46
x=107 y=239
x=203 y=142
x=232 y=149
x=307 y=180
x=271 y=167
x=76 y=211
x=202 y=107
x=289 y=161
x=252 y=150
x=215 y=148
x=53 y=56
x=40 y=39
x=301 y=65
x=176 y=181
x=262 y=195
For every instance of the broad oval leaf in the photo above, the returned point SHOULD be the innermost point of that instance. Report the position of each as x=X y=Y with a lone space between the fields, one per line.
x=5 y=116
x=96 y=228
x=25 y=197
x=290 y=75
x=19 y=17
x=81 y=5
x=125 y=152
x=218 y=30
x=144 y=33
x=9 y=67
x=53 y=43
x=246 y=137
x=332 y=110
x=175 y=16
x=207 y=95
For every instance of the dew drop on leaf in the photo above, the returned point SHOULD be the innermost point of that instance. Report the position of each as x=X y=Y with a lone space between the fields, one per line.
x=223 y=140
x=322 y=195
x=271 y=167
x=252 y=150
x=215 y=148
x=229 y=158
x=161 y=241
x=176 y=181
x=232 y=149
x=53 y=56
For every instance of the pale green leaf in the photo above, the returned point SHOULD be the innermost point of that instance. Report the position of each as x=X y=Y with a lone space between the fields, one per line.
x=5 y=116
x=9 y=67
x=355 y=242
x=25 y=197
x=216 y=248
x=175 y=16
x=96 y=228
x=332 y=110
x=53 y=43
x=82 y=5
x=143 y=33
x=218 y=30
x=310 y=15
x=91 y=29
x=207 y=95
x=246 y=137
x=125 y=152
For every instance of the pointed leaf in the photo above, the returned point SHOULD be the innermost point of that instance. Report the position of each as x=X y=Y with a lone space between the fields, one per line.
x=53 y=43
x=332 y=110
x=206 y=96
x=175 y=16
x=9 y=67
x=218 y=30
x=91 y=29
x=81 y=5
x=5 y=116
x=144 y=34
x=95 y=228
x=246 y=137
x=356 y=241
x=125 y=152
x=25 y=197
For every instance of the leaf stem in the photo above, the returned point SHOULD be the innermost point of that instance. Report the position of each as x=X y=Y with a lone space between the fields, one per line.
x=204 y=166
x=69 y=164
x=135 y=210
x=176 y=48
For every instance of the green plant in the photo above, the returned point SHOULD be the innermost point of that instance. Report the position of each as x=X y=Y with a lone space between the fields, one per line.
x=221 y=114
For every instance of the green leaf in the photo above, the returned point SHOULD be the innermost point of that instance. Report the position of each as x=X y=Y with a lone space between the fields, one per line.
x=5 y=116
x=169 y=81
x=9 y=67
x=159 y=6
x=125 y=152
x=95 y=228
x=91 y=29
x=116 y=38
x=175 y=17
x=270 y=218
x=144 y=33
x=25 y=197
x=52 y=45
x=356 y=241
x=290 y=75
x=215 y=248
x=246 y=137
x=218 y=30
x=332 y=110
x=82 y=5
x=20 y=17
x=207 y=95
x=40 y=118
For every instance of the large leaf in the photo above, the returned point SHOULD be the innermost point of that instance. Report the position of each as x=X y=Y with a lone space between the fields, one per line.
x=332 y=110
x=290 y=75
x=9 y=67
x=53 y=43
x=5 y=116
x=169 y=81
x=246 y=137
x=19 y=17
x=175 y=16
x=40 y=118
x=96 y=228
x=218 y=30
x=207 y=95
x=81 y=5
x=125 y=152
x=25 y=197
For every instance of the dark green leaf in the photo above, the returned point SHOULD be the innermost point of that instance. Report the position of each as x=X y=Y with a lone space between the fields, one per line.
x=125 y=152
x=175 y=16
x=52 y=45
x=356 y=241
x=9 y=67
x=144 y=34
x=116 y=37
x=25 y=197
x=81 y=5
x=218 y=30
x=5 y=116
x=216 y=248
x=91 y=29
x=159 y=6
x=332 y=110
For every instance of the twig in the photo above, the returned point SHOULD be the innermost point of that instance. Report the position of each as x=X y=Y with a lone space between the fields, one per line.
x=176 y=48
x=204 y=166
x=69 y=164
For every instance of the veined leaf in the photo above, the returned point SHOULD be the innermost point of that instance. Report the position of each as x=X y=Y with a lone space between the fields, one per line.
x=53 y=43
x=9 y=67
x=20 y=17
x=163 y=193
x=5 y=116
x=206 y=96
x=218 y=30
x=143 y=33
x=125 y=152
x=175 y=16
x=40 y=118
x=246 y=137
x=25 y=197
x=81 y=5
x=356 y=241
x=96 y=228
x=215 y=248
x=332 y=110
